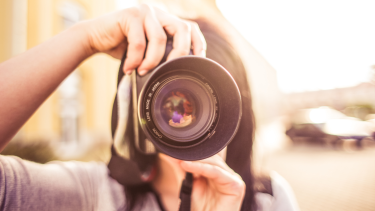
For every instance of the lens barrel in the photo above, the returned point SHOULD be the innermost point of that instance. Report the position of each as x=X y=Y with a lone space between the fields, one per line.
x=190 y=108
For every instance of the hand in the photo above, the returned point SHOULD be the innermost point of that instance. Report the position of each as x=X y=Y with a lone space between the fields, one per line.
x=128 y=29
x=215 y=186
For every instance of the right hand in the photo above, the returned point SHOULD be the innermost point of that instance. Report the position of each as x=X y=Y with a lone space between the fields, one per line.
x=216 y=186
x=129 y=28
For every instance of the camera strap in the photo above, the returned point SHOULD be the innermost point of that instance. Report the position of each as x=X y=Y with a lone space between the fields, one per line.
x=185 y=192
x=126 y=170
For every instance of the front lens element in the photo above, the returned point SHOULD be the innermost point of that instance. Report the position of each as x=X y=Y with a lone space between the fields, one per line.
x=179 y=108
x=182 y=108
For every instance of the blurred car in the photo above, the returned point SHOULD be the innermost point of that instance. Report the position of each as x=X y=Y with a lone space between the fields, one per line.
x=325 y=125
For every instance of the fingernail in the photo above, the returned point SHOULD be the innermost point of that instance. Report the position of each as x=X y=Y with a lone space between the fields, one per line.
x=142 y=72
x=129 y=72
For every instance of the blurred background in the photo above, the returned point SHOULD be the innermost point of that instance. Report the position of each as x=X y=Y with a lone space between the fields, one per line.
x=310 y=66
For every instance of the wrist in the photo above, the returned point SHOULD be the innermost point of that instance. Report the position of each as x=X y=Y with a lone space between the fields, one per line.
x=81 y=32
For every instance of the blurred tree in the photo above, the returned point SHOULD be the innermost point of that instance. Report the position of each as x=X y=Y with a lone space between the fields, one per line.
x=359 y=111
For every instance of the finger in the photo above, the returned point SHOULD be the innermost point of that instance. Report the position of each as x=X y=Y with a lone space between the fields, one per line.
x=197 y=40
x=181 y=32
x=137 y=44
x=223 y=181
x=216 y=160
x=181 y=41
x=157 y=40
x=215 y=173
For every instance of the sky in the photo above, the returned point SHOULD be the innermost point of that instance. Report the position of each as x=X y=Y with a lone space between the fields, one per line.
x=312 y=45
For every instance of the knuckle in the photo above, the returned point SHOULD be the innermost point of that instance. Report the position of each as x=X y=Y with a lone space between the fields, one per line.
x=139 y=45
x=239 y=187
x=133 y=12
x=161 y=38
x=184 y=26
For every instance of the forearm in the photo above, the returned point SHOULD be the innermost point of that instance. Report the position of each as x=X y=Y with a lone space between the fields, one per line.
x=27 y=80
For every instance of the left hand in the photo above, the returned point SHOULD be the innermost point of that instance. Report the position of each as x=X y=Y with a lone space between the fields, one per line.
x=215 y=186
x=129 y=28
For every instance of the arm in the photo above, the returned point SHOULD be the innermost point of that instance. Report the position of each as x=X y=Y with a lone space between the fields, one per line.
x=28 y=79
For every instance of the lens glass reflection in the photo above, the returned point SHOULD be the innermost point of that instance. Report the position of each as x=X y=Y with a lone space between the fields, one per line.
x=178 y=109
x=182 y=108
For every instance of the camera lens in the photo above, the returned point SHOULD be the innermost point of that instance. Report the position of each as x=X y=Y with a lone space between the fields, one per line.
x=182 y=108
x=189 y=107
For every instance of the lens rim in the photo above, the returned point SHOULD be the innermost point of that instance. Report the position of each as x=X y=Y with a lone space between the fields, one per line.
x=227 y=118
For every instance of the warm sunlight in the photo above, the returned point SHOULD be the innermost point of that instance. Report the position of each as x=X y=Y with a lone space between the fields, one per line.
x=312 y=44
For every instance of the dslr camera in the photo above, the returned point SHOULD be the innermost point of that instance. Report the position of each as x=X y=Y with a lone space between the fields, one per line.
x=188 y=108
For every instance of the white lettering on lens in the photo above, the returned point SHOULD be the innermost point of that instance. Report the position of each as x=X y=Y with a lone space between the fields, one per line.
x=157 y=133
x=147 y=103
x=148 y=116
x=155 y=86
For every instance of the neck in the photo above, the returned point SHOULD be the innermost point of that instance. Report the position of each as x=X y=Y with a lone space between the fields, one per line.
x=168 y=182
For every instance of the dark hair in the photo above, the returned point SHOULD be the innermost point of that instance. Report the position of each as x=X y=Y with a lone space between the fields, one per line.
x=240 y=149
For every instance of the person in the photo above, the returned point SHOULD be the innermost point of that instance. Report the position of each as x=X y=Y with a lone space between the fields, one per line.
x=31 y=77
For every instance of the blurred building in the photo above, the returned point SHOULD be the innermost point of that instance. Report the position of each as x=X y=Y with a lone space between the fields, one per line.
x=339 y=99
x=80 y=108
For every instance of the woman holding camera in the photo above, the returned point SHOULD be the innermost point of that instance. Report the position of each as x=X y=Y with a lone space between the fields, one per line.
x=28 y=79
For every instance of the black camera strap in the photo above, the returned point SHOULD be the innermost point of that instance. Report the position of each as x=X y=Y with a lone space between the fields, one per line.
x=185 y=192
x=127 y=172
